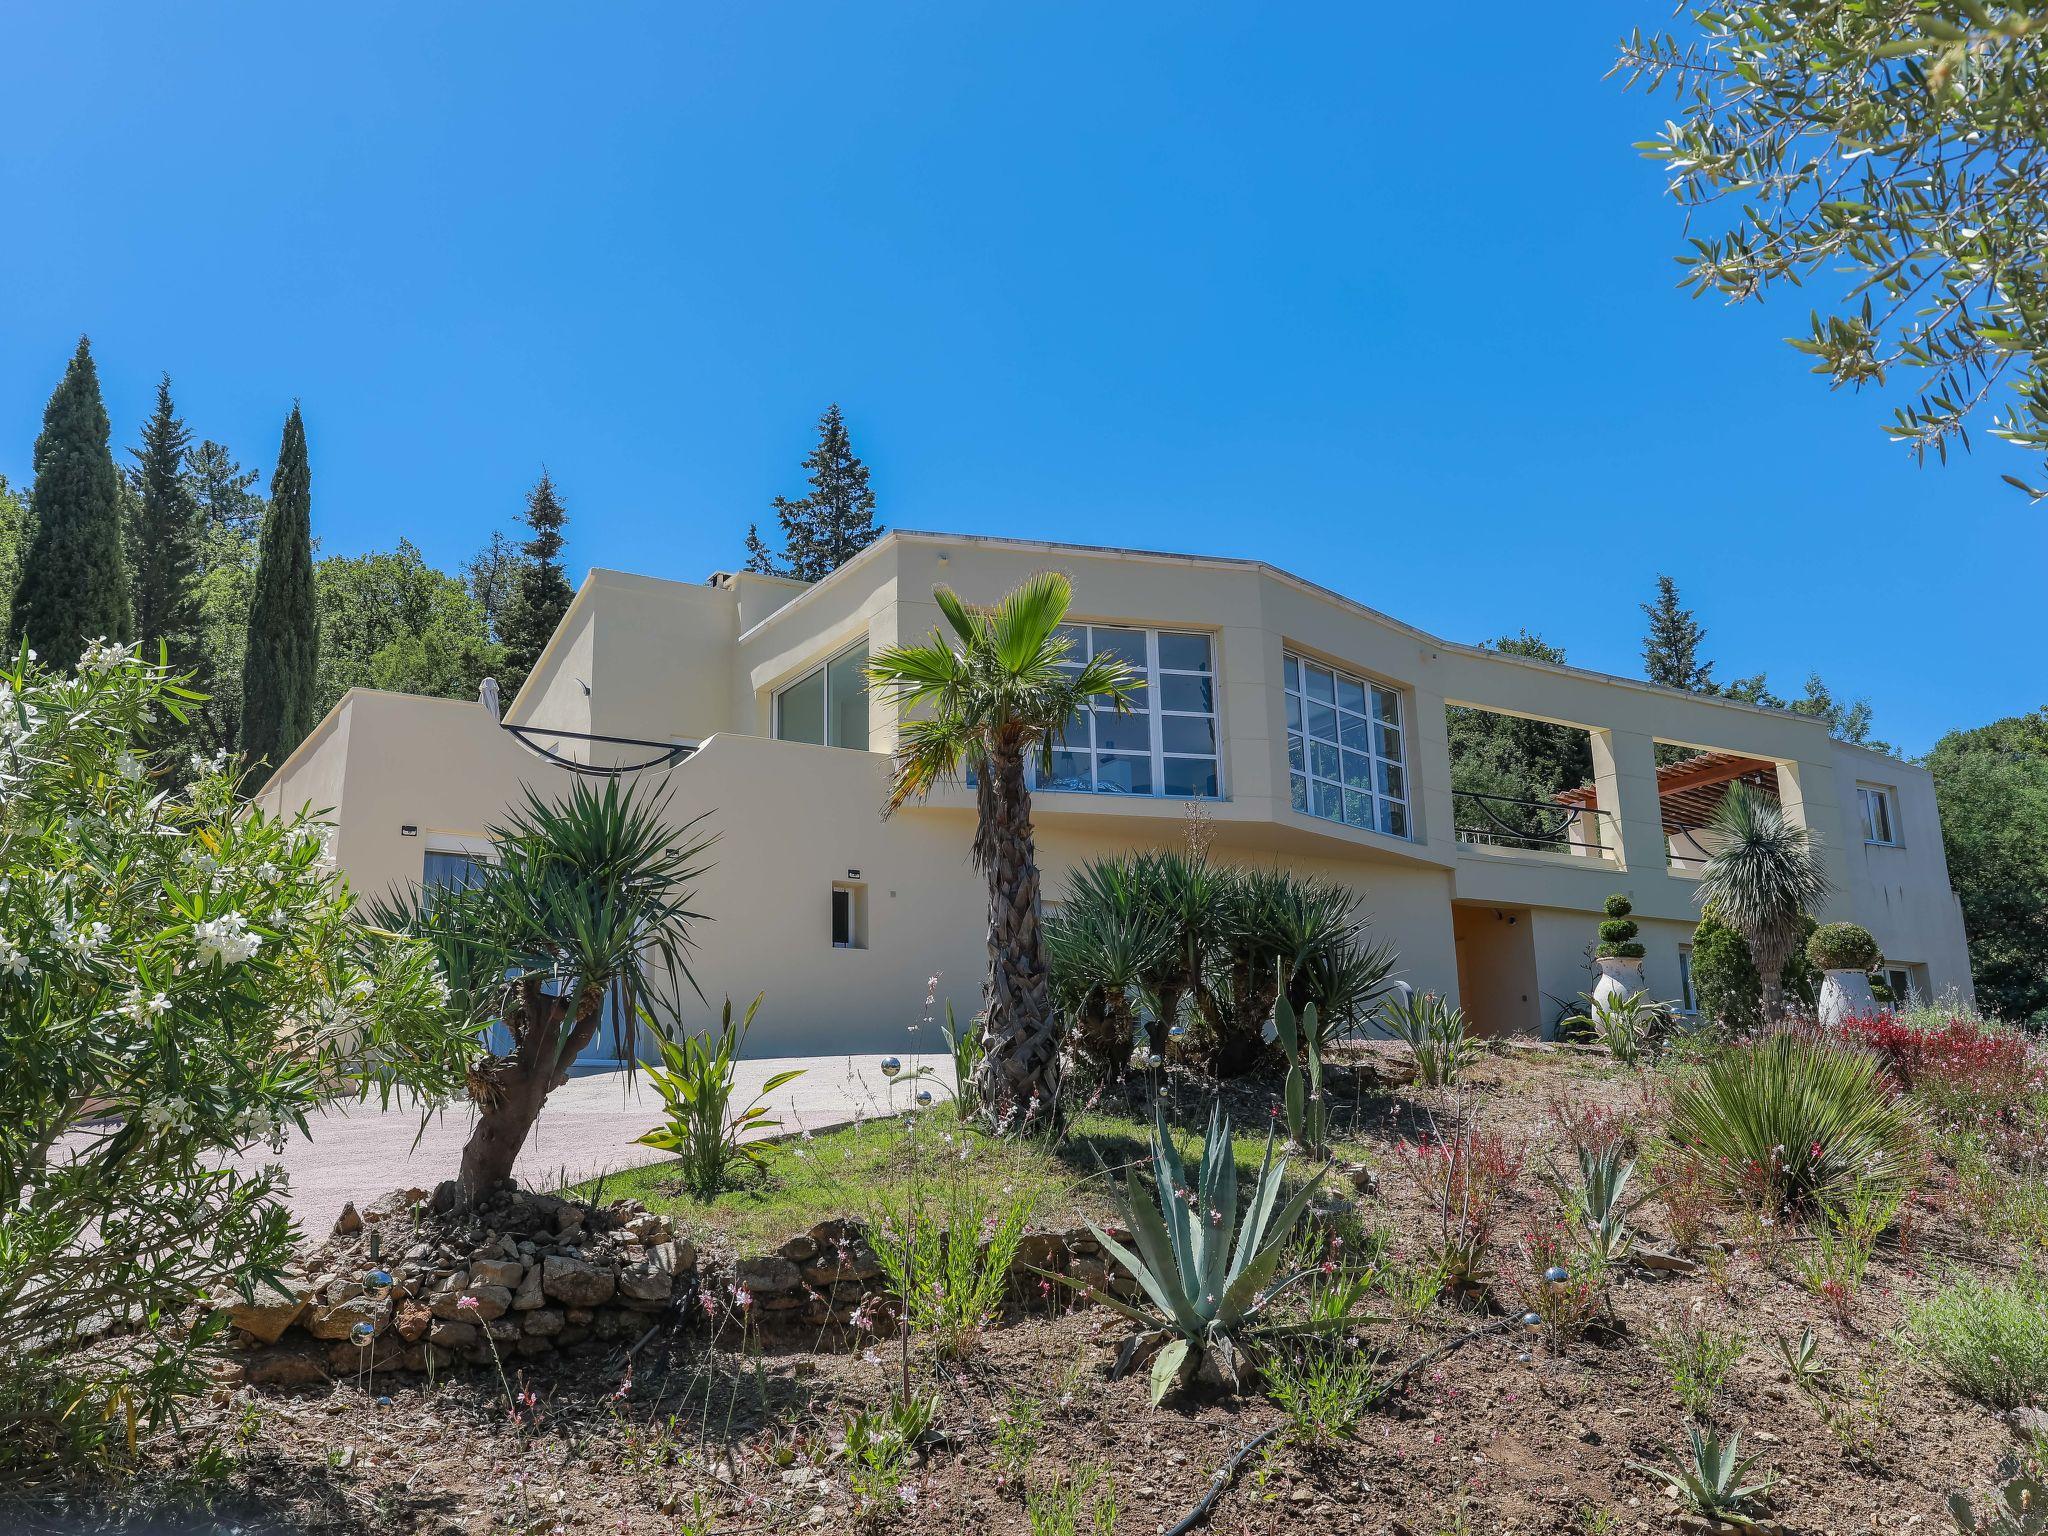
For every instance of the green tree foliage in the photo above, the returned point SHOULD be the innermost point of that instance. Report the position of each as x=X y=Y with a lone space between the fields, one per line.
x=540 y=590
x=390 y=620
x=182 y=982
x=1724 y=978
x=1898 y=148
x=281 y=666
x=824 y=530
x=14 y=536
x=1992 y=787
x=1671 y=648
x=74 y=586
x=1513 y=759
x=489 y=574
x=165 y=539
x=231 y=518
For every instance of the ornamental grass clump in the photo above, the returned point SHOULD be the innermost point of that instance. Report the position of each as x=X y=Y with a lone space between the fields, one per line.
x=1792 y=1122
x=1988 y=1338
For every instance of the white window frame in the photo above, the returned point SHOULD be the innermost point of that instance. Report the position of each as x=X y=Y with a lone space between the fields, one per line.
x=1155 y=714
x=1306 y=779
x=1902 y=997
x=823 y=672
x=1886 y=799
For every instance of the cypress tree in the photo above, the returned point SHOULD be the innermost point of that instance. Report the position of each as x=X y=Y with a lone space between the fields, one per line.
x=74 y=587
x=281 y=669
x=164 y=537
x=540 y=587
x=1672 y=646
x=824 y=530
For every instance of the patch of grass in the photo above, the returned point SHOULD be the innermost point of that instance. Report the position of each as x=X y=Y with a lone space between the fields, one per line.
x=1699 y=1357
x=1988 y=1338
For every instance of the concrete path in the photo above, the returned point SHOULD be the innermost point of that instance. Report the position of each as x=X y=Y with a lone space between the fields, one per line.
x=357 y=1152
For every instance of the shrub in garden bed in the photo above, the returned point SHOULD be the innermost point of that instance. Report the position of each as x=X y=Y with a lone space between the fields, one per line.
x=1964 y=1068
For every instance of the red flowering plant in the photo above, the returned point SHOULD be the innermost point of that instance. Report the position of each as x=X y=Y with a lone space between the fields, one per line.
x=1570 y=1306
x=1462 y=1177
x=1973 y=1075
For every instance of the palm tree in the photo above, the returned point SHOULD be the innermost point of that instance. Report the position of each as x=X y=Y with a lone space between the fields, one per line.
x=984 y=701
x=587 y=899
x=1763 y=874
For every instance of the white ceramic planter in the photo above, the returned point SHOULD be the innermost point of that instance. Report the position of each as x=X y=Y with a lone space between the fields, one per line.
x=1619 y=977
x=1845 y=995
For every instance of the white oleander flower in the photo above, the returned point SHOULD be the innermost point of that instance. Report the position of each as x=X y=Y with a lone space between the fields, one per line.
x=129 y=766
x=100 y=657
x=225 y=938
x=12 y=960
x=142 y=1009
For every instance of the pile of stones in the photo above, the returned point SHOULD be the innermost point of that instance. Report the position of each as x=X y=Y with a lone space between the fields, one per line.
x=411 y=1283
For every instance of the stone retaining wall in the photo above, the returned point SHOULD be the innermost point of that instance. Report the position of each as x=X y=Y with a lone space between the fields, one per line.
x=525 y=1276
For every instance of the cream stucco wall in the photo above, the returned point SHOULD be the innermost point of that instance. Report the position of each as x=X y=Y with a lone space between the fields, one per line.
x=667 y=661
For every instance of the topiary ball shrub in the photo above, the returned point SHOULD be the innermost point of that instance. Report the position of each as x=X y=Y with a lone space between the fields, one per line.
x=1618 y=933
x=1842 y=947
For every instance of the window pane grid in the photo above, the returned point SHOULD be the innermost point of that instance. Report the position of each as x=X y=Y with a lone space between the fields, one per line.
x=1167 y=743
x=1344 y=747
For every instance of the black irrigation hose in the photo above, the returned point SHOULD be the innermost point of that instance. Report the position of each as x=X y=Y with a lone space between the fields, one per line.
x=1219 y=1480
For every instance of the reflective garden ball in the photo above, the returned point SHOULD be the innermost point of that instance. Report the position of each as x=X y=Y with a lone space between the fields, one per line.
x=1154 y=1060
x=1178 y=1031
x=891 y=1066
x=1557 y=1274
x=377 y=1284
x=384 y=1403
x=924 y=1096
x=1532 y=1320
x=362 y=1334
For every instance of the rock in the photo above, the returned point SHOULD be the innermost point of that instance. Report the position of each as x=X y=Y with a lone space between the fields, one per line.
x=348 y=1221
x=767 y=1275
x=528 y=1296
x=800 y=1249
x=2029 y=1421
x=531 y=1344
x=1667 y=1263
x=272 y=1310
x=344 y=1356
x=1364 y=1180
x=453 y=1335
x=339 y=1322
x=547 y=1322
x=505 y=1272
x=645 y=1284
x=674 y=1257
x=576 y=1282
x=395 y=1202
x=1036 y=1251
x=412 y=1322
x=286 y=1367
x=492 y=1301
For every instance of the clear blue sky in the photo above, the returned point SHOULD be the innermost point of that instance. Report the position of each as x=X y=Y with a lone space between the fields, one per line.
x=1388 y=304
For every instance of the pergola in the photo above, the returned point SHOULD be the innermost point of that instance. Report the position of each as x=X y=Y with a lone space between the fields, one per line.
x=1690 y=790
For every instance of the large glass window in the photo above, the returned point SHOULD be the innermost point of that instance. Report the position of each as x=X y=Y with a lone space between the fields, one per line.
x=1167 y=742
x=1346 y=758
x=827 y=706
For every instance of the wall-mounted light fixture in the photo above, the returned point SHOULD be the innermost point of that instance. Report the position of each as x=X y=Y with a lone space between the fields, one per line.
x=853 y=874
x=408 y=830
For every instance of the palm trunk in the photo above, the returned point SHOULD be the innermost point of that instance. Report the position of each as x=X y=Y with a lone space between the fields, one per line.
x=1020 y=1060
x=510 y=1091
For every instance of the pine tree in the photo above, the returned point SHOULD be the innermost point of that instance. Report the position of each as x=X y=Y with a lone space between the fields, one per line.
x=164 y=538
x=74 y=586
x=1671 y=648
x=827 y=528
x=281 y=669
x=540 y=588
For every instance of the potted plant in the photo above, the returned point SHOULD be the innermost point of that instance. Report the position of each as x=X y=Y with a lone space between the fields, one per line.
x=1843 y=953
x=1619 y=953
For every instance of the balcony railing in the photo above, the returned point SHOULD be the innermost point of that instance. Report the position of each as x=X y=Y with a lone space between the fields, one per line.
x=1531 y=826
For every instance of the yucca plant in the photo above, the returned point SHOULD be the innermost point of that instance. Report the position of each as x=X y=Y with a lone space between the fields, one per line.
x=1103 y=944
x=1793 y=1122
x=1346 y=983
x=1709 y=1479
x=1764 y=873
x=1307 y=1113
x=697 y=1085
x=1600 y=1204
x=1210 y=1277
x=1436 y=1035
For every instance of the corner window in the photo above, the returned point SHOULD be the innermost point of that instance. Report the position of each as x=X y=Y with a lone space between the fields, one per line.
x=827 y=706
x=1166 y=743
x=1346 y=756
x=1880 y=808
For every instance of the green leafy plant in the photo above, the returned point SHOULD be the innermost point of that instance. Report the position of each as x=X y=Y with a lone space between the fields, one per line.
x=1627 y=1023
x=1618 y=931
x=1709 y=1479
x=1792 y=1122
x=1210 y=1276
x=1988 y=1338
x=1323 y=1385
x=2019 y=1508
x=1842 y=947
x=697 y=1083
x=1083 y=1501
x=1698 y=1358
x=948 y=1261
x=1307 y=1113
x=1765 y=871
x=1014 y=1440
x=964 y=1045
x=1436 y=1034
x=1599 y=1205
x=1804 y=1363
x=878 y=1446
x=1844 y=1240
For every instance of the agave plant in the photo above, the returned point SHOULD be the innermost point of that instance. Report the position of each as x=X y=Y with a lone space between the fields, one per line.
x=1710 y=1480
x=1627 y=1023
x=1435 y=1033
x=1208 y=1275
x=1601 y=1206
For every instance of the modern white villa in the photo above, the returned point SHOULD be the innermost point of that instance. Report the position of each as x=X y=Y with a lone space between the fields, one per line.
x=1312 y=728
